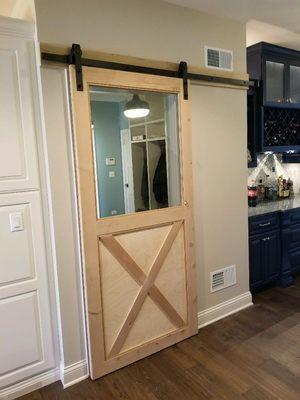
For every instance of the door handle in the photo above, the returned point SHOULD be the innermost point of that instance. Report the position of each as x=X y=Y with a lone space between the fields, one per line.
x=266 y=224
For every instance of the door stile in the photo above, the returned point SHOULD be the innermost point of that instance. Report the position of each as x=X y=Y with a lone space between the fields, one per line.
x=83 y=142
x=187 y=184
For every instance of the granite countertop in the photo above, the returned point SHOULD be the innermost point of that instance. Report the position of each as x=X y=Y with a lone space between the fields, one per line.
x=273 y=206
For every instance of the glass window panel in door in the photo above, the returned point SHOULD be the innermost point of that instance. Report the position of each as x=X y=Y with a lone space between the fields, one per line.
x=274 y=82
x=137 y=159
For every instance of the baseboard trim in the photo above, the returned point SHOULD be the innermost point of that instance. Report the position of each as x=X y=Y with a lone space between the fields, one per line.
x=29 y=385
x=224 y=309
x=74 y=373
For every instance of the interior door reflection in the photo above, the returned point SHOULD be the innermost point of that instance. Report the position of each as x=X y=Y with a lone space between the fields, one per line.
x=136 y=150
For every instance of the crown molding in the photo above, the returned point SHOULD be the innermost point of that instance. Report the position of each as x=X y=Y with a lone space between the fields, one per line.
x=17 y=27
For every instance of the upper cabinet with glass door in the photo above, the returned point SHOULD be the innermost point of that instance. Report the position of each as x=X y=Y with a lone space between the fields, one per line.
x=278 y=69
x=275 y=73
x=282 y=83
x=281 y=79
x=294 y=83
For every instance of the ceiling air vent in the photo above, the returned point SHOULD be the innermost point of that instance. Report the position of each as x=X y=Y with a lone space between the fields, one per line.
x=218 y=58
x=222 y=278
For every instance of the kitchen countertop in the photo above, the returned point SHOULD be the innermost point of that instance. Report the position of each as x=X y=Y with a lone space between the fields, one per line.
x=274 y=206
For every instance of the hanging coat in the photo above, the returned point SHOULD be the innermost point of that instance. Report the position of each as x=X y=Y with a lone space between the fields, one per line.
x=160 y=181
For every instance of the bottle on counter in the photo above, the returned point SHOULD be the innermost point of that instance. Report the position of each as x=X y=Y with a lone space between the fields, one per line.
x=261 y=191
x=280 y=186
x=272 y=186
x=286 y=191
x=283 y=187
x=290 y=186
x=252 y=194
x=267 y=187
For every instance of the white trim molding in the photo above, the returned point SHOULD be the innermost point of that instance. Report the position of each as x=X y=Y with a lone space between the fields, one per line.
x=29 y=385
x=16 y=27
x=224 y=309
x=74 y=373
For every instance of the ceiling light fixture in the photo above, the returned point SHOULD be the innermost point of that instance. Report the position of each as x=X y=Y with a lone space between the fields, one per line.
x=136 y=108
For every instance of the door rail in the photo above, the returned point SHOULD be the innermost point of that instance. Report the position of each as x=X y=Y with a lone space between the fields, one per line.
x=75 y=58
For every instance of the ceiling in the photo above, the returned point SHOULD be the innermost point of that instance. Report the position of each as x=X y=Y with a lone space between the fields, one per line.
x=21 y=9
x=284 y=13
x=274 y=21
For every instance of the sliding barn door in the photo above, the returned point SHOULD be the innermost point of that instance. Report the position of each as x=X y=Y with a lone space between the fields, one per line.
x=139 y=264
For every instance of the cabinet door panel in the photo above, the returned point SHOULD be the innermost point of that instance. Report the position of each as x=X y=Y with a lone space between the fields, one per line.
x=294 y=258
x=275 y=81
x=294 y=84
x=18 y=156
x=255 y=262
x=294 y=241
x=271 y=255
x=26 y=342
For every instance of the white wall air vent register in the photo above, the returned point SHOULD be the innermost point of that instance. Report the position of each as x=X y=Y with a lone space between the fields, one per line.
x=218 y=58
x=222 y=278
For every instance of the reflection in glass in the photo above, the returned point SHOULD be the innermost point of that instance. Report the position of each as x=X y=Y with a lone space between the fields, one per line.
x=137 y=163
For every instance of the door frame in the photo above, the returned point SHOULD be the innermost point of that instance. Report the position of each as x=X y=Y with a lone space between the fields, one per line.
x=110 y=225
x=128 y=185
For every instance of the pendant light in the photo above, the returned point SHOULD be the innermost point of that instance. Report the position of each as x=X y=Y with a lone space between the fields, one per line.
x=136 y=108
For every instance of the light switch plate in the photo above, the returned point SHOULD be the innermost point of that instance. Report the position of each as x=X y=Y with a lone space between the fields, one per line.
x=16 y=222
x=110 y=161
x=111 y=174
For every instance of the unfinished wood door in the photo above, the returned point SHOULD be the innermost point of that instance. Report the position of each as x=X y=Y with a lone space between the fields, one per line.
x=139 y=267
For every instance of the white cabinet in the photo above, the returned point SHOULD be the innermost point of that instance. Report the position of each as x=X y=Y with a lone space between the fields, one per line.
x=26 y=333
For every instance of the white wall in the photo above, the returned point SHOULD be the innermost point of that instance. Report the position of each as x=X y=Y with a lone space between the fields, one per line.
x=258 y=31
x=161 y=31
x=63 y=192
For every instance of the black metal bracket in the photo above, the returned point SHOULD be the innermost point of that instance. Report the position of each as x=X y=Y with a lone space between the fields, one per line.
x=75 y=58
x=183 y=73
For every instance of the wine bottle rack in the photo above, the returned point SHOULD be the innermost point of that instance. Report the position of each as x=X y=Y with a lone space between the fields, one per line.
x=281 y=127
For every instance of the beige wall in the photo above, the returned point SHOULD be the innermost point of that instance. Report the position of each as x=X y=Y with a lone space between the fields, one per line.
x=150 y=29
x=220 y=175
x=63 y=193
x=157 y=30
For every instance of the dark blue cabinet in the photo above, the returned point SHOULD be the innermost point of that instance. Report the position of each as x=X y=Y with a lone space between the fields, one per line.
x=256 y=273
x=278 y=71
x=281 y=80
x=290 y=237
x=264 y=259
x=274 y=248
x=272 y=256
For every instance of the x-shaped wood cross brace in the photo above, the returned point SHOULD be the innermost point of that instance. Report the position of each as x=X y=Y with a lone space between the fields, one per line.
x=146 y=282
